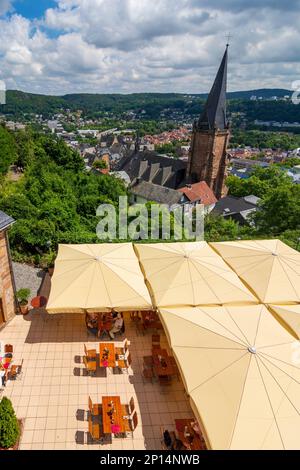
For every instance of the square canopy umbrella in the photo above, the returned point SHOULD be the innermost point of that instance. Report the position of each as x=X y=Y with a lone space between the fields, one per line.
x=180 y=274
x=97 y=278
x=270 y=268
x=238 y=369
x=288 y=316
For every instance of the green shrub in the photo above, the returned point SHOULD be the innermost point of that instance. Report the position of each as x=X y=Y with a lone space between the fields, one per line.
x=9 y=426
x=47 y=260
x=23 y=296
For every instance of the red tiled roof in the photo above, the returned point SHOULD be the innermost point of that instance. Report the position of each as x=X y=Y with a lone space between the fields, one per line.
x=200 y=192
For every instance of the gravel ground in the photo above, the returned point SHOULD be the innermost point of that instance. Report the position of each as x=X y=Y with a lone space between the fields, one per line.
x=28 y=277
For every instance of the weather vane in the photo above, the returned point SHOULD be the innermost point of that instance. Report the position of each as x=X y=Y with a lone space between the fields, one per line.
x=228 y=37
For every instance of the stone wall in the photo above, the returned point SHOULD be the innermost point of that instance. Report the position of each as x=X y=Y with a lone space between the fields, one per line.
x=6 y=280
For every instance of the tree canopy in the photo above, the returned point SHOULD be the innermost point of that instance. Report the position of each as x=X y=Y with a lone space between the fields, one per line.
x=55 y=201
x=7 y=150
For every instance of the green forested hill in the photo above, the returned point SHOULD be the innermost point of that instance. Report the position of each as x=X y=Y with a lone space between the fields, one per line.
x=93 y=105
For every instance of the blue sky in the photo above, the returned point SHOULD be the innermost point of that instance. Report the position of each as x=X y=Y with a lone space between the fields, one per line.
x=33 y=8
x=125 y=46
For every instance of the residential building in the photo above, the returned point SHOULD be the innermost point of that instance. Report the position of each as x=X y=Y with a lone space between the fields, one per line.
x=237 y=208
x=145 y=191
x=200 y=193
x=238 y=164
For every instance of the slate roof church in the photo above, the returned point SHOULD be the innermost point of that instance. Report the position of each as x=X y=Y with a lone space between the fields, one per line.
x=208 y=153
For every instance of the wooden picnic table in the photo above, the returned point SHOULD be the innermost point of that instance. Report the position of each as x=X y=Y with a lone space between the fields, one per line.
x=111 y=359
x=196 y=442
x=118 y=424
x=159 y=370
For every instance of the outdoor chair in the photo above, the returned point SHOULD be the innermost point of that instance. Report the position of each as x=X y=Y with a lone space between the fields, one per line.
x=91 y=354
x=16 y=371
x=127 y=410
x=94 y=431
x=91 y=366
x=93 y=408
x=155 y=343
x=131 y=424
x=126 y=363
x=8 y=349
x=131 y=405
x=135 y=316
x=123 y=350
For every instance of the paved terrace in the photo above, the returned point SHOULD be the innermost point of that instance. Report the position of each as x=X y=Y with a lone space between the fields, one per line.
x=52 y=393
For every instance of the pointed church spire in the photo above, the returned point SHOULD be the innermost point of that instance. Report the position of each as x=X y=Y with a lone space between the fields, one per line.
x=214 y=114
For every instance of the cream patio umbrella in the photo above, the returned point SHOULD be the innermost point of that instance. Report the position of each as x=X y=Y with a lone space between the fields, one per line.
x=269 y=267
x=237 y=367
x=180 y=274
x=97 y=278
x=288 y=316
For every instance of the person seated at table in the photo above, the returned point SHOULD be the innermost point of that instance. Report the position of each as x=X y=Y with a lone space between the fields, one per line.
x=177 y=445
x=92 y=323
x=104 y=324
x=114 y=314
x=118 y=326
x=4 y=373
x=196 y=428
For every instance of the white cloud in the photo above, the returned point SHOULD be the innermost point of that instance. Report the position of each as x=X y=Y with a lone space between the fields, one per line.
x=146 y=45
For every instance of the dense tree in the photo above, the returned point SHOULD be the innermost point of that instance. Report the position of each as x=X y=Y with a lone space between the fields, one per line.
x=262 y=139
x=261 y=181
x=219 y=229
x=279 y=210
x=55 y=201
x=61 y=154
x=7 y=150
x=24 y=148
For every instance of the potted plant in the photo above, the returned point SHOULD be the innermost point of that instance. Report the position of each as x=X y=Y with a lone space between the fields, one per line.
x=23 y=296
x=9 y=425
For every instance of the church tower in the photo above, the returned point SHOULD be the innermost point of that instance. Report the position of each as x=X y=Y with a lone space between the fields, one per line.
x=208 y=155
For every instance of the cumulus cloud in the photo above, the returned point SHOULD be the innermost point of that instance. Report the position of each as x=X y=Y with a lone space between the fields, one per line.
x=240 y=5
x=142 y=45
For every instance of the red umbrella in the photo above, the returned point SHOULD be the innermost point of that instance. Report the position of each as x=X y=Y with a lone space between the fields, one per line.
x=39 y=301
